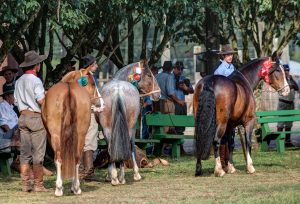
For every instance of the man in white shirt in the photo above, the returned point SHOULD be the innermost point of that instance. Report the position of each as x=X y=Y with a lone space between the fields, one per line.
x=8 y=117
x=30 y=95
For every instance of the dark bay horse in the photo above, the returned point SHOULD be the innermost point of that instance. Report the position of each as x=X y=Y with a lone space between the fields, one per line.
x=118 y=119
x=222 y=103
x=66 y=114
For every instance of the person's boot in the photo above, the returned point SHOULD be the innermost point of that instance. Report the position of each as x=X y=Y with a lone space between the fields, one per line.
x=38 y=173
x=288 y=142
x=24 y=172
x=89 y=167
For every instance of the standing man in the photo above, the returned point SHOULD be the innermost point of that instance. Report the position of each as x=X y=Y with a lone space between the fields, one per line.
x=287 y=103
x=183 y=87
x=30 y=95
x=226 y=68
x=91 y=143
x=168 y=97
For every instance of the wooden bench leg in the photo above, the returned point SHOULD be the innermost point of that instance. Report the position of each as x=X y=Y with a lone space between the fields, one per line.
x=5 y=167
x=264 y=146
x=176 y=150
x=280 y=143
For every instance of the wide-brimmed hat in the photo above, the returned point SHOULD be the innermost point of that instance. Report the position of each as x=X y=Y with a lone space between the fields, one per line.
x=286 y=67
x=226 y=50
x=167 y=65
x=8 y=68
x=179 y=64
x=88 y=60
x=32 y=58
x=8 y=90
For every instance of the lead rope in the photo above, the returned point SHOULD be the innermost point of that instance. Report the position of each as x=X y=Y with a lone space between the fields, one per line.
x=96 y=92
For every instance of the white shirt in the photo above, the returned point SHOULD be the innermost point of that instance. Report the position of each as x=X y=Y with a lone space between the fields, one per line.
x=7 y=115
x=28 y=90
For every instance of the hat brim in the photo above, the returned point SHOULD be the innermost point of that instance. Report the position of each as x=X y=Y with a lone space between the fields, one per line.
x=227 y=53
x=7 y=93
x=38 y=60
x=10 y=69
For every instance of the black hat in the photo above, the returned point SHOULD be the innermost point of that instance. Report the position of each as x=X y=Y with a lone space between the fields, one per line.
x=286 y=67
x=32 y=58
x=179 y=64
x=88 y=60
x=8 y=68
x=167 y=65
x=8 y=90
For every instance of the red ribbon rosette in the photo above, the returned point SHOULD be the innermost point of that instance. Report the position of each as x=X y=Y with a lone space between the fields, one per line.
x=137 y=77
x=265 y=70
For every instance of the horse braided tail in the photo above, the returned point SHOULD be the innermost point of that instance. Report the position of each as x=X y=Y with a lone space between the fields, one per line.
x=120 y=140
x=68 y=135
x=205 y=127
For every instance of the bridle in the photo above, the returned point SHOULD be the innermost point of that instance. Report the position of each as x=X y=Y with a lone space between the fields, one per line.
x=136 y=77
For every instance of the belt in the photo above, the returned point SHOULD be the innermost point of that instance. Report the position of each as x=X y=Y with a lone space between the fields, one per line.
x=28 y=112
x=286 y=101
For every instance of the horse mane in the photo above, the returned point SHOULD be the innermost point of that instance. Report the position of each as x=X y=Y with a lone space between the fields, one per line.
x=251 y=63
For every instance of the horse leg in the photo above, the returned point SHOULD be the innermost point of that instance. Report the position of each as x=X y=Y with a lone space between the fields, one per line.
x=136 y=175
x=219 y=172
x=198 y=167
x=230 y=146
x=76 y=183
x=248 y=136
x=122 y=173
x=59 y=187
x=114 y=174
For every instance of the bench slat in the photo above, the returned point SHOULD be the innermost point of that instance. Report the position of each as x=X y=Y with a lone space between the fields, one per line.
x=170 y=120
x=278 y=119
x=277 y=113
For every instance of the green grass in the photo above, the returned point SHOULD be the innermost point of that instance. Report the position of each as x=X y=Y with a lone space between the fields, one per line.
x=277 y=180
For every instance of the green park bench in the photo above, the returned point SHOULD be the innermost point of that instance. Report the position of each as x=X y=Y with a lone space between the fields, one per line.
x=264 y=118
x=159 y=121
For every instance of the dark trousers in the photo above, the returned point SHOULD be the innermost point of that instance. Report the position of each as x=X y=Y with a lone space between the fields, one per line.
x=180 y=110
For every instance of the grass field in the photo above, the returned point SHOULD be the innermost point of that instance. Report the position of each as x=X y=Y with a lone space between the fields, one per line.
x=277 y=180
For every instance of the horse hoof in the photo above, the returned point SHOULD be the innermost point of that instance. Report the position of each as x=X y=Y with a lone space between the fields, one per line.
x=59 y=192
x=122 y=181
x=219 y=173
x=250 y=170
x=137 y=177
x=76 y=191
x=108 y=179
x=115 y=182
x=230 y=169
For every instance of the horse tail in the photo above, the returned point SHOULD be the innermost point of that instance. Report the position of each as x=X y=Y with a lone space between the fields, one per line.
x=205 y=127
x=120 y=140
x=68 y=136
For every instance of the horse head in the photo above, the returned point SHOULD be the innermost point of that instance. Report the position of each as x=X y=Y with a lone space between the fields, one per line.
x=141 y=77
x=85 y=79
x=273 y=74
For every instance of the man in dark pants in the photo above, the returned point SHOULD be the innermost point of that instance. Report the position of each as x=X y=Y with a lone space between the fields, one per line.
x=287 y=103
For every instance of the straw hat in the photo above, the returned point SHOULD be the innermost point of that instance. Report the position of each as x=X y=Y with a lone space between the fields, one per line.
x=32 y=58
x=8 y=68
x=226 y=49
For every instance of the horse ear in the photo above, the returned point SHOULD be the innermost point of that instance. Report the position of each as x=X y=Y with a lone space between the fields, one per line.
x=276 y=56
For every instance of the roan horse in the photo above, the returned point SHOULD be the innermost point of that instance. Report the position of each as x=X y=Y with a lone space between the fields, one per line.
x=66 y=115
x=222 y=103
x=118 y=119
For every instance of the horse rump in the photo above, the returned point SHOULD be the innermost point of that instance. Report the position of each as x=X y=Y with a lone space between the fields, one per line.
x=205 y=122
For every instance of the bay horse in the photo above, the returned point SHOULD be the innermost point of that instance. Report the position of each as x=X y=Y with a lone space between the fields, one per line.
x=66 y=115
x=221 y=103
x=121 y=96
